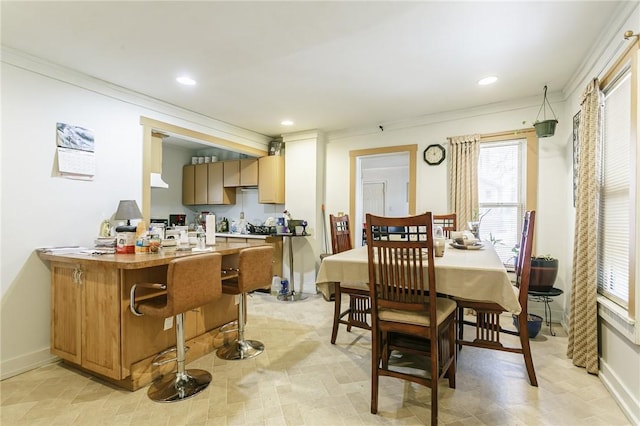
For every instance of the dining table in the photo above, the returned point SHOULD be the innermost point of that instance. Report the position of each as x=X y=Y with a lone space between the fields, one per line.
x=470 y=273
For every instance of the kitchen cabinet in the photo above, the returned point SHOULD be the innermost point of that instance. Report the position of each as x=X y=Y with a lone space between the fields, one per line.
x=82 y=301
x=189 y=185
x=242 y=172
x=216 y=191
x=194 y=184
x=271 y=180
x=231 y=173
x=249 y=172
x=202 y=184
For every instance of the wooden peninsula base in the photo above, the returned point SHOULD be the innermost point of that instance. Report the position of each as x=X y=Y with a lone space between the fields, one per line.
x=93 y=329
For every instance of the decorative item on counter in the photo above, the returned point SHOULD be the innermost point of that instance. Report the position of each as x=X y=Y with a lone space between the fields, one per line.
x=275 y=285
x=125 y=240
x=169 y=245
x=184 y=240
x=287 y=218
x=154 y=244
x=284 y=287
x=201 y=219
x=200 y=235
x=127 y=210
x=105 y=229
x=142 y=245
x=223 y=225
x=210 y=230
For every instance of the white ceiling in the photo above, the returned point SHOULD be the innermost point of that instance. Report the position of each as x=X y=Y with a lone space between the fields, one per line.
x=324 y=65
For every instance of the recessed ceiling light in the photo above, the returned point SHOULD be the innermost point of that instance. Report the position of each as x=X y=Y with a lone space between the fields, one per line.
x=488 y=80
x=186 y=80
x=286 y=123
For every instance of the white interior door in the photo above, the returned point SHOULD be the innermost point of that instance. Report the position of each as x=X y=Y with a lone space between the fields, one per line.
x=373 y=199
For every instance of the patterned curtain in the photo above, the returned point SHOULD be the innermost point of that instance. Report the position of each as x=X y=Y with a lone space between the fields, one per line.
x=583 y=311
x=463 y=177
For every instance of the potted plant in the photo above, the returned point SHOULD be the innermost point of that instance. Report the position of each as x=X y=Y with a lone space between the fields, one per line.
x=545 y=127
x=544 y=270
x=534 y=324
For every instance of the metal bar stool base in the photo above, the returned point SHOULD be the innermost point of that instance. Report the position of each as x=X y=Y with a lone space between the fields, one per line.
x=243 y=349
x=174 y=388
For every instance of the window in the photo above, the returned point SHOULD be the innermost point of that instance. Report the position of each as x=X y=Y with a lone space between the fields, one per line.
x=614 y=233
x=501 y=194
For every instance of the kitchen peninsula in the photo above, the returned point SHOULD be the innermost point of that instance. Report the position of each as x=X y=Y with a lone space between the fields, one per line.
x=93 y=329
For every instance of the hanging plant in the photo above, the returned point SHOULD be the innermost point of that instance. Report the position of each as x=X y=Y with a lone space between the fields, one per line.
x=545 y=127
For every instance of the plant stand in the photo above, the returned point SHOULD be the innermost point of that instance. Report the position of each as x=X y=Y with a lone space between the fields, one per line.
x=546 y=297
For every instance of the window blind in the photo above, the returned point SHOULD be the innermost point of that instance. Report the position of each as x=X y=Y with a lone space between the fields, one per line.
x=500 y=195
x=614 y=228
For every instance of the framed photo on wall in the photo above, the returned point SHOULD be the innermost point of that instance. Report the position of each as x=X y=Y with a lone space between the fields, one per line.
x=576 y=154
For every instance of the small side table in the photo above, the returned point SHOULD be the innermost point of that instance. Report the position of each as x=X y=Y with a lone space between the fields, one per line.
x=292 y=295
x=546 y=298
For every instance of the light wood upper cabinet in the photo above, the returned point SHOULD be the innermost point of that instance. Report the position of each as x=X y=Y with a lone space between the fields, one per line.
x=242 y=172
x=216 y=192
x=201 y=183
x=271 y=179
x=249 y=172
x=189 y=185
x=231 y=173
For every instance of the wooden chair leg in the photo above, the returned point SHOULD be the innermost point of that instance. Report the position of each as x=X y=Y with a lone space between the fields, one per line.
x=352 y=309
x=460 y=321
x=336 y=313
x=451 y=372
x=435 y=374
x=526 y=349
x=375 y=363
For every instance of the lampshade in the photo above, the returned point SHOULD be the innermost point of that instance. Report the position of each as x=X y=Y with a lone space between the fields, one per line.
x=127 y=210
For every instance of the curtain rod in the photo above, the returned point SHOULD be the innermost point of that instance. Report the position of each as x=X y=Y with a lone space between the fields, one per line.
x=627 y=35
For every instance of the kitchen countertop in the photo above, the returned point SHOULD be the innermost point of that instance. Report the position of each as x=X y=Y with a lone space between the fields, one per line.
x=237 y=235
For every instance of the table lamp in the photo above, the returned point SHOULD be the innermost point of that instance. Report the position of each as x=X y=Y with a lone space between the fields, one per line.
x=127 y=210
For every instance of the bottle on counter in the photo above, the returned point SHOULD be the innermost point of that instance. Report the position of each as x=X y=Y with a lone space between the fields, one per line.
x=200 y=235
x=284 y=287
x=275 y=285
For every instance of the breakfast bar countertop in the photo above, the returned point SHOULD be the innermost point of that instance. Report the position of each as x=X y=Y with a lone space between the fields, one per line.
x=140 y=260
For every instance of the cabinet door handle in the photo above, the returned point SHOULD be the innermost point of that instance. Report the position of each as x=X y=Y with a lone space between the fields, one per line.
x=77 y=276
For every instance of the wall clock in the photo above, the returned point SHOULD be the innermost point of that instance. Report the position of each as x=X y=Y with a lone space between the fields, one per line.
x=434 y=154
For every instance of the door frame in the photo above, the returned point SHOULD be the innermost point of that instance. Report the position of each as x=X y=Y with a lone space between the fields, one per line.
x=354 y=155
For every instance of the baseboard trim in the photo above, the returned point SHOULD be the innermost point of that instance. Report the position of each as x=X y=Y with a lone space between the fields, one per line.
x=13 y=367
x=627 y=401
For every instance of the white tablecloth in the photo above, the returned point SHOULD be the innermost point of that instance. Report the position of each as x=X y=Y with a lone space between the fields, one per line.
x=469 y=274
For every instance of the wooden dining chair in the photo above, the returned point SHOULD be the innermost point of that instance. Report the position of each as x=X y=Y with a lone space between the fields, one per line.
x=448 y=223
x=359 y=302
x=487 y=323
x=406 y=313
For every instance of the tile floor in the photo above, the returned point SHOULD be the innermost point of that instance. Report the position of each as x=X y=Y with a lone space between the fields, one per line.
x=301 y=379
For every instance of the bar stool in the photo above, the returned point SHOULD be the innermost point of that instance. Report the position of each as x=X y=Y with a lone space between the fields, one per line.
x=254 y=272
x=192 y=281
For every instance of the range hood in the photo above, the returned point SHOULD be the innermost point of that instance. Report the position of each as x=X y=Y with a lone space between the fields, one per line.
x=157 y=182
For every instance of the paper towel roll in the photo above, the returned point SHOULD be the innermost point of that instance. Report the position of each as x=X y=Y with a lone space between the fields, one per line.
x=210 y=233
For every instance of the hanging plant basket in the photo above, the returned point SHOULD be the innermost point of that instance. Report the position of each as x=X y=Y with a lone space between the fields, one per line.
x=545 y=128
